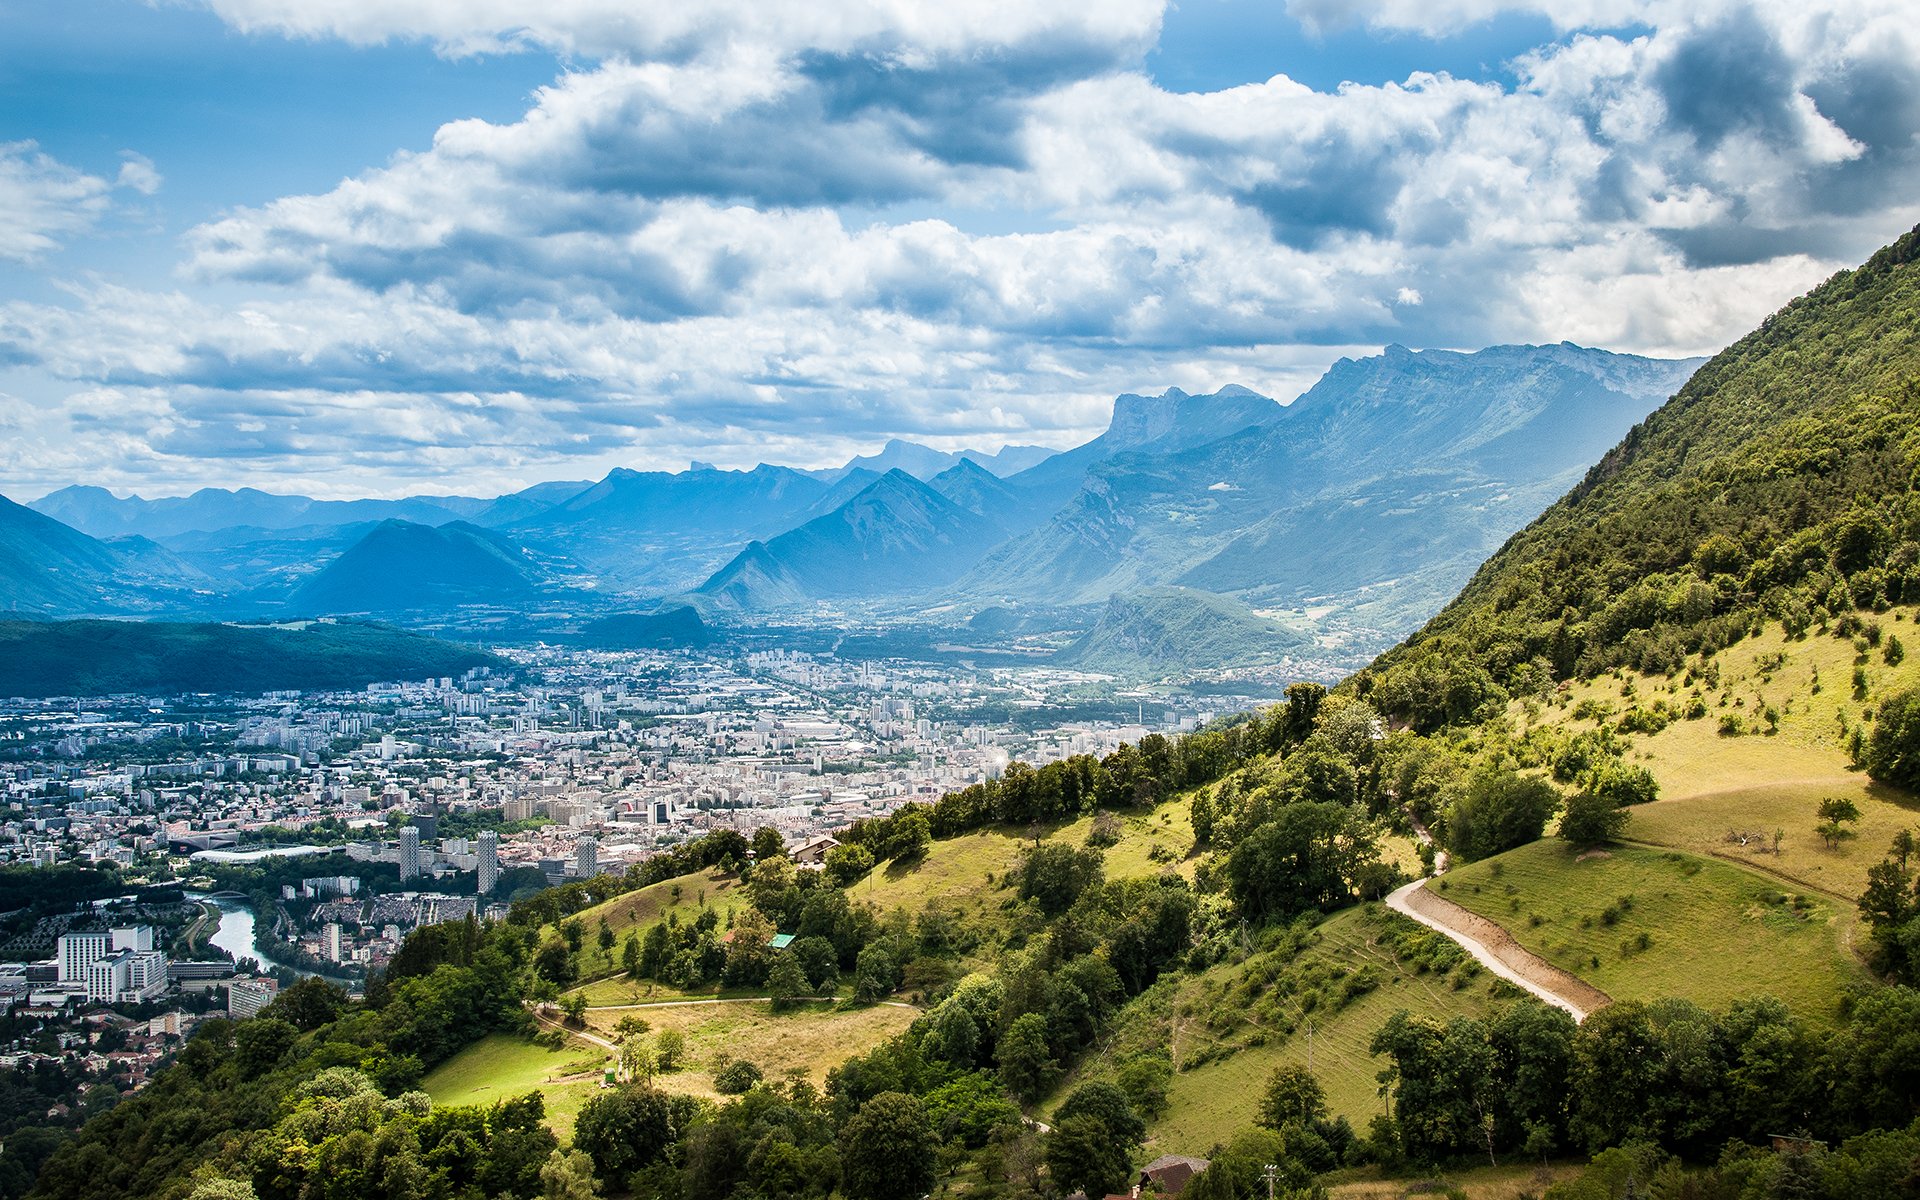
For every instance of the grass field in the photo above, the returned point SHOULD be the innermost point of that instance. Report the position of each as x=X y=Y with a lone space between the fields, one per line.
x=685 y=895
x=812 y=1040
x=1510 y=1181
x=1712 y=931
x=501 y=1066
x=1716 y=790
x=1228 y=1031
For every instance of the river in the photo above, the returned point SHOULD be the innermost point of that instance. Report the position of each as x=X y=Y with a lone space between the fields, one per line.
x=237 y=935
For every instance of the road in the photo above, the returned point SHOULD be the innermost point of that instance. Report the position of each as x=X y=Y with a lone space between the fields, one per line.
x=1495 y=949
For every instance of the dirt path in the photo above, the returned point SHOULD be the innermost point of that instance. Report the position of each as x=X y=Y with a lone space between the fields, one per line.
x=731 y=1000
x=1496 y=950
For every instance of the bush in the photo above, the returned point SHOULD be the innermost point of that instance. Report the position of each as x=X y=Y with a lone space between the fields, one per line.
x=736 y=1076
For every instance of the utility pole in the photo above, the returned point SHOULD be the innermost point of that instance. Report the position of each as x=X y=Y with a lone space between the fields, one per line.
x=1270 y=1171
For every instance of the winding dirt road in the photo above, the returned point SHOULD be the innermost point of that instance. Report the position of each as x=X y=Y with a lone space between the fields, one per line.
x=1496 y=950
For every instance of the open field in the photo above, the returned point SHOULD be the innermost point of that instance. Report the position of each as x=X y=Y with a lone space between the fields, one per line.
x=1641 y=924
x=501 y=1066
x=812 y=1040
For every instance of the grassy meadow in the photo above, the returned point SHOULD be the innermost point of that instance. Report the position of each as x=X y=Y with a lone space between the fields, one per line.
x=1642 y=923
x=501 y=1066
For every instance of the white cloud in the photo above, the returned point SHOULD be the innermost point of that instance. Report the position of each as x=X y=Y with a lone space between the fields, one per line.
x=43 y=201
x=905 y=32
x=742 y=241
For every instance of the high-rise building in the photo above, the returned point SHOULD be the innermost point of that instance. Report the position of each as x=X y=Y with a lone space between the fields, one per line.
x=409 y=853
x=133 y=937
x=78 y=951
x=333 y=941
x=489 y=862
x=586 y=857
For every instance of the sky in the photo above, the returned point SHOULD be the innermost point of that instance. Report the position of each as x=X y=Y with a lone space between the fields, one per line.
x=358 y=248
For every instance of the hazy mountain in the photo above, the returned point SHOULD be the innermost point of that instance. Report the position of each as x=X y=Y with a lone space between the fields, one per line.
x=1168 y=630
x=898 y=535
x=1168 y=422
x=661 y=532
x=46 y=567
x=924 y=462
x=973 y=488
x=402 y=567
x=98 y=512
x=1404 y=468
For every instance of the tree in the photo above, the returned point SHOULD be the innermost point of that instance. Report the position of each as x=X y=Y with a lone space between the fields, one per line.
x=1293 y=1096
x=624 y=1129
x=1108 y=1105
x=568 y=1175
x=886 y=1150
x=630 y=955
x=1026 y=1063
x=605 y=936
x=1836 y=813
x=736 y=1076
x=669 y=1048
x=908 y=835
x=875 y=975
x=768 y=843
x=1592 y=819
x=848 y=865
x=1054 y=874
x=1892 y=753
x=787 y=984
x=574 y=1006
x=1308 y=857
x=574 y=932
x=1498 y=811
x=1083 y=1155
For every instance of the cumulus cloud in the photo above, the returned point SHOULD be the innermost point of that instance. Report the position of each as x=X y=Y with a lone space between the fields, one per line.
x=741 y=240
x=43 y=201
x=906 y=33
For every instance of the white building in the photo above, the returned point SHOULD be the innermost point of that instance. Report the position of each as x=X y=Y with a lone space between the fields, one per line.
x=78 y=951
x=586 y=857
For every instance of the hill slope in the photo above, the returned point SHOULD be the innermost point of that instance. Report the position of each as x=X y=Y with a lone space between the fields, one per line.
x=1170 y=629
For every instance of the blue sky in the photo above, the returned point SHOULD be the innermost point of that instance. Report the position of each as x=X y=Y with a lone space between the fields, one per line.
x=351 y=247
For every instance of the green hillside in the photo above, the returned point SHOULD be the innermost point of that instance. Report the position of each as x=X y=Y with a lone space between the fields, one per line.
x=98 y=658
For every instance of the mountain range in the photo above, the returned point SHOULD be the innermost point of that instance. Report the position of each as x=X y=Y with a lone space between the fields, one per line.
x=1364 y=503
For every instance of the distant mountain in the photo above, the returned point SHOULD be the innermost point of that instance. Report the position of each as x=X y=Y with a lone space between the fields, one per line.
x=1406 y=468
x=1169 y=422
x=48 y=568
x=403 y=567
x=674 y=627
x=98 y=658
x=973 y=488
x=1163 y=631
x=924 y=462
x=96 y=511
x=897 y=536
x=660 y=532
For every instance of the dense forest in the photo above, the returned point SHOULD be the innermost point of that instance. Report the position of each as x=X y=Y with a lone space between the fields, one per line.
x=106 y=658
